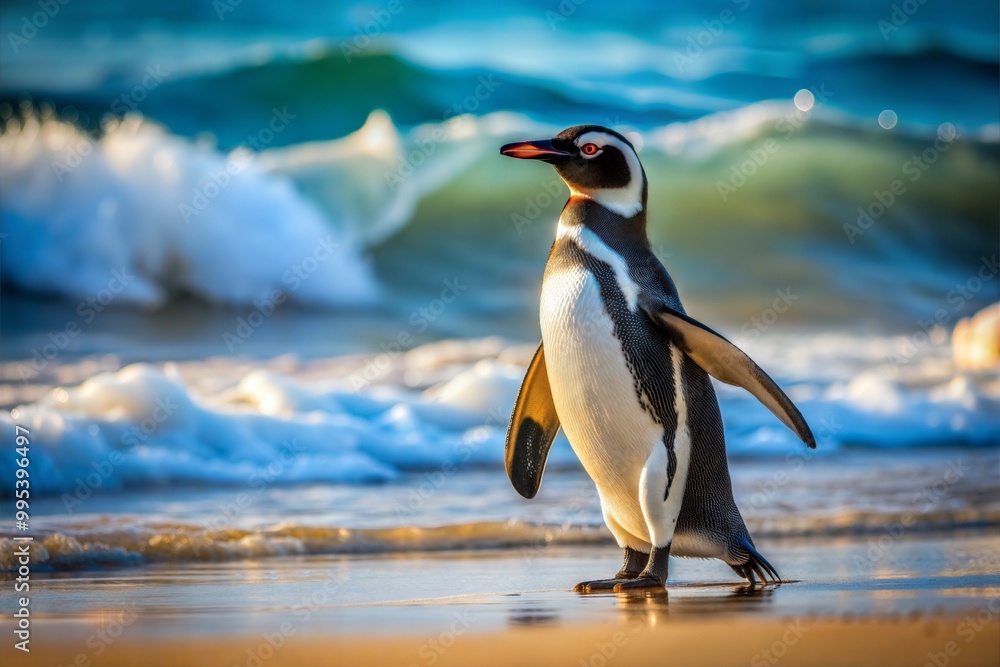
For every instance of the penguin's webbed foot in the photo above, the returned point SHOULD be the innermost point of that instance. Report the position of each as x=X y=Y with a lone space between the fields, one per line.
x=642 y=581
x=598 y=585
x=635 y=563
x=654 y=575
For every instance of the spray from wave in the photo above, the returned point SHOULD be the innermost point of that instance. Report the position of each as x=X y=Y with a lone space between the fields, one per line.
x=142 y=214
x=146 y=214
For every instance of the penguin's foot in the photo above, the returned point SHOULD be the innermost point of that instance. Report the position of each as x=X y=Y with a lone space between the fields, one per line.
x=635 y=563
x=598 y=585
x=644 y=580
x=756 y=564
x=653 y=576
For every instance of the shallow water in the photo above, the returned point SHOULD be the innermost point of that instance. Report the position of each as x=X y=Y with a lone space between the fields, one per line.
x=361 y=407
x=880 y=495
x=490 y=591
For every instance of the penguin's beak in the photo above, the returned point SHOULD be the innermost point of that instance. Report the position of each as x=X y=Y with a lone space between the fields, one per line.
x=534 y=150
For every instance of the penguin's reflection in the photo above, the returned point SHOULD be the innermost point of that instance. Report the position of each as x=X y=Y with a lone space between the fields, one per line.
x=650 y=607
x=653 y=607
x=524 y=616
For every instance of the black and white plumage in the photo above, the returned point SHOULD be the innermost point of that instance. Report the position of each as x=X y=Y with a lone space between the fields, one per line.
x=625 y=372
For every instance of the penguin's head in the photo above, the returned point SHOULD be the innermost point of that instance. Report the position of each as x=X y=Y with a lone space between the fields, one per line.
x=596 y=163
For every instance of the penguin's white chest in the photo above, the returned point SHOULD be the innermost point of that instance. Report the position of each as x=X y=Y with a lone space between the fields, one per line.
x=595 y=397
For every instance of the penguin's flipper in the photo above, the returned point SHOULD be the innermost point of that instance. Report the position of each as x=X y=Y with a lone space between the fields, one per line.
x=727 y=363
x=533 y=427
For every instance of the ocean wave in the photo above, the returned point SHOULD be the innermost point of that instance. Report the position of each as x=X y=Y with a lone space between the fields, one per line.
x=643 y=86
x=369 y=419
x=139 y=214
x=655 y=79
x=127 y=541
x=124 y=541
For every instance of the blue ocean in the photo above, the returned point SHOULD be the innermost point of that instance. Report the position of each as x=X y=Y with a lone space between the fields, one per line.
x=269 y=288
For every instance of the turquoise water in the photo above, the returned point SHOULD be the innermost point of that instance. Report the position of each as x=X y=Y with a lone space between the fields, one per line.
x=420 y=195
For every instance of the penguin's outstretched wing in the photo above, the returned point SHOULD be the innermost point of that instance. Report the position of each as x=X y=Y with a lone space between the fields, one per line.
x=726 y=362
x=533 y=427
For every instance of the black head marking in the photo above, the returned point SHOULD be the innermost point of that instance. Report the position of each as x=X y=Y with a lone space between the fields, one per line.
x=608 y=168
x=596 y=163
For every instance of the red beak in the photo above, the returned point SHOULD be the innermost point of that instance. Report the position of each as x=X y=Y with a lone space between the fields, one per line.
x=534 y=150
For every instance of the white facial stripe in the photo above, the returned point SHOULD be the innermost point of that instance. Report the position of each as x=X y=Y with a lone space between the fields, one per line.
x=591 y=243
x=625 y=201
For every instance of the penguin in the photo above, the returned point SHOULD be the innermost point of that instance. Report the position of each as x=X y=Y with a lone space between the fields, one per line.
x=624 y=371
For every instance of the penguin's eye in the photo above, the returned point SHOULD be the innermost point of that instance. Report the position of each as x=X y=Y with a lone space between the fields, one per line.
x=589 y=149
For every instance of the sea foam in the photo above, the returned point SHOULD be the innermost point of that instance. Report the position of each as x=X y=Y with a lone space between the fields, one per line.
x=141 y=214
x=444 y=405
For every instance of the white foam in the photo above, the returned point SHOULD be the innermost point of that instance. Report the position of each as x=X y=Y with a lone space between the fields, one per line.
x=78 y=210
x=121 y=541
x=150 y=425
x=148 y=205
x=370 y=183
x=868 y=390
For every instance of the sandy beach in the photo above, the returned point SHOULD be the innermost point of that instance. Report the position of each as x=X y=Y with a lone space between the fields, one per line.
x=713 y=642
x=930 y=599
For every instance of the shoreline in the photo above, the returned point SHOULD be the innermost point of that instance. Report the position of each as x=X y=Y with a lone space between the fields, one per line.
x=923 y=601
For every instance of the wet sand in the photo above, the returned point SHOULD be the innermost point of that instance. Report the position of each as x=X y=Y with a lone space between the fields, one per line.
x=706 y=642
x=927 y=599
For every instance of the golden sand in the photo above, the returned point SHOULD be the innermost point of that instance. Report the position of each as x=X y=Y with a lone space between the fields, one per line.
x=937 y=641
